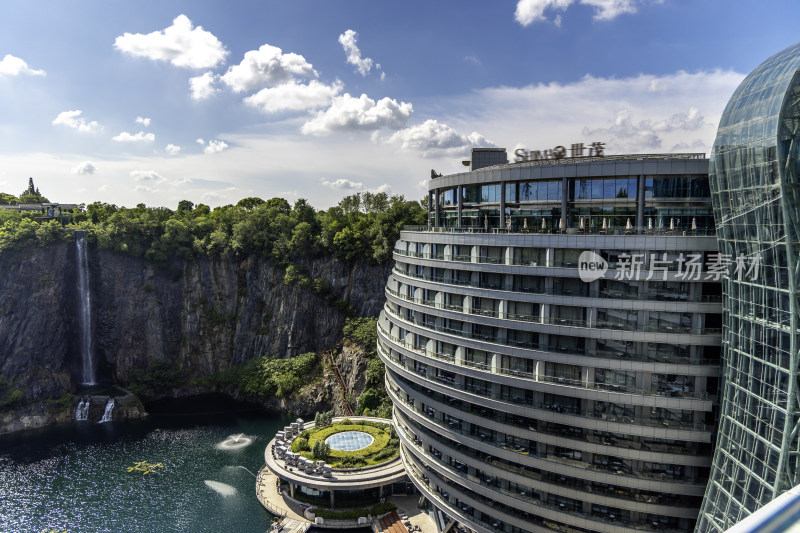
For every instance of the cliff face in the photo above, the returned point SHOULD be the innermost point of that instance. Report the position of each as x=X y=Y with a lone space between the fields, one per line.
x=204 y=315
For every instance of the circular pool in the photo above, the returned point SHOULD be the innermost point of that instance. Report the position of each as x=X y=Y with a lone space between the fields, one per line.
x=347 y=441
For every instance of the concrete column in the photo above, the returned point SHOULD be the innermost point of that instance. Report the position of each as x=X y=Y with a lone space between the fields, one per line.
x=430 y=207
x=291 y=490
x=502 y=204
x=332 y=499
x=436 y=208
x=496 y=363
x=460 y=202
x=640 y=204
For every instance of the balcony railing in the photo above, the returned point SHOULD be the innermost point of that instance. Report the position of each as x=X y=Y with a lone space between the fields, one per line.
x=453 y=406
x=609 y=230
x=658 y=295
x=521 y=399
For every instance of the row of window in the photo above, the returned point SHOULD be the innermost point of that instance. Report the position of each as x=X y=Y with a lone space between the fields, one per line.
x=581 y=189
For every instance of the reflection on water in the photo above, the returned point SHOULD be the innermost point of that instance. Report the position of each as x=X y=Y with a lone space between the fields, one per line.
x=74 y=477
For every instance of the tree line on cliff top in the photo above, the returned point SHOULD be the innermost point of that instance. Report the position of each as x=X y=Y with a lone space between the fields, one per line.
x=363 y=225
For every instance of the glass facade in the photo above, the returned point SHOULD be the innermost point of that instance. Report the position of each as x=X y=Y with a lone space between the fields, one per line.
x=754 y=186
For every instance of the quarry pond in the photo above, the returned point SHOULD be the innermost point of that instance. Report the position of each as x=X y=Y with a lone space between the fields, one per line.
x=74 y=477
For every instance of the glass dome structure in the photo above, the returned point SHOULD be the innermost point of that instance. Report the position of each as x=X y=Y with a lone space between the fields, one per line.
x=754 y=185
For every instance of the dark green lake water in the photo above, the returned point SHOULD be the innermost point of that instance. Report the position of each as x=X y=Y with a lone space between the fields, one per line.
x=74 y=477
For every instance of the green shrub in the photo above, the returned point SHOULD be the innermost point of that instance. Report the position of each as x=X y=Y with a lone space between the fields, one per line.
x=352 y=514
x=300 y=444
x=159 y=377
x=8 y=396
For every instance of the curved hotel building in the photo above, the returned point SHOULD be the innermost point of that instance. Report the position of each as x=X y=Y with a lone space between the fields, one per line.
x=552 y=343
x=755 y=186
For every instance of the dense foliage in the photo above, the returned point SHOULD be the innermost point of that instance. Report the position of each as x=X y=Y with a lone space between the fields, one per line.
x=363 y=225
x=374 y=401
x=8 y=395
x=159 y=376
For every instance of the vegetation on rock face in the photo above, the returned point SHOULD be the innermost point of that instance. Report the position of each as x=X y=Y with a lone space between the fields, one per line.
x=374 y=401
x=361 y=226
x=8 y=395
x=159 y=376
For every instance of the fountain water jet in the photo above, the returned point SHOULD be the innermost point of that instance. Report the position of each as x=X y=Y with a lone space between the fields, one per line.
x=85 y=314
x=221 y=488
x=234 y=442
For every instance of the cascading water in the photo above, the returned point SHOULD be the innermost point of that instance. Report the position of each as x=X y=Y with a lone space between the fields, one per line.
x=82 y=412
x=108 y=411
x=85 y=309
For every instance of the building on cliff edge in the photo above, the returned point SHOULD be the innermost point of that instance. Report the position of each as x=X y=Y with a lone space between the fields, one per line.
x=552 y=342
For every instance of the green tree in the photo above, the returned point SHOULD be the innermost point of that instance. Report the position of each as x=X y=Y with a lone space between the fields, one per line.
x=7 y=199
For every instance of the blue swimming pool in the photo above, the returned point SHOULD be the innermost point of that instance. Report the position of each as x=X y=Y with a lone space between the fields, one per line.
x=347 y=441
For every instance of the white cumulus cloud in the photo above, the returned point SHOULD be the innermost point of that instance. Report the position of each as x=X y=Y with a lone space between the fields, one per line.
x=348 y=40
x=348 y=113
x=14 y=66
x=144 y=121
x=629 y=135
x=342 y=184
x=172 y=149
x=434 y=136
x=214 y=147
x=621 y=112
x=135 y=137
x=82 y=169
x=266 y=67
x=202 y=86
x=530 y=11
x=73 y=119
x=146 y=175
x=294 y=96
x=181 y=44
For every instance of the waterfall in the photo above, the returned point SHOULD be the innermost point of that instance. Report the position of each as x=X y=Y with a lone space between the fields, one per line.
x=108 y=411
x=82 y=412
x=85 y=314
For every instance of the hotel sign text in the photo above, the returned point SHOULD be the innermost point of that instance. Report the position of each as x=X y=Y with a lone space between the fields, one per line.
x=596 y=149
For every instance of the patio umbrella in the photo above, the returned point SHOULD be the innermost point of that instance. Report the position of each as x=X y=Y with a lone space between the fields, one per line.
x=580 y=225
x=544 y=223
x=671 y=224
x=524 y=223
x=694 y=223
x=605 y=223
x=661 y=222
x=559 y=223
x=650 y=223
x=486 y=222
x=628 y=225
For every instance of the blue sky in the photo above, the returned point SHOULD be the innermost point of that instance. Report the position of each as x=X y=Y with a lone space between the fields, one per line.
x=155 y=102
